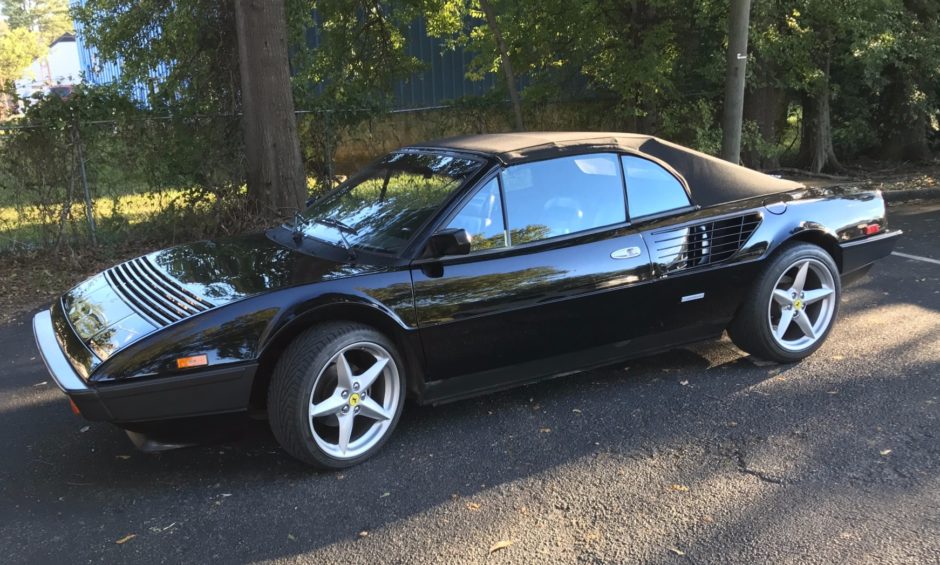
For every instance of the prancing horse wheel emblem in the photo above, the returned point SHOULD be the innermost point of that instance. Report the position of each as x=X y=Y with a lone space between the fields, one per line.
x=797 y=304
x=354 y=399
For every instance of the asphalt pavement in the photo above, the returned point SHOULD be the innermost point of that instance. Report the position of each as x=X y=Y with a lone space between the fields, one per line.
x=700 y=455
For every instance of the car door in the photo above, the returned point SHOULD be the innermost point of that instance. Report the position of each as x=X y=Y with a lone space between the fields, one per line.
x=554 y=280
x=697 y=279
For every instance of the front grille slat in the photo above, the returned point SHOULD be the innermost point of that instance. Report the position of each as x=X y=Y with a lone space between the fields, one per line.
x=160 y=275
x=153 y=294
x=147 y=295
x=167 y=291
x=704 y=244
x=137 y=303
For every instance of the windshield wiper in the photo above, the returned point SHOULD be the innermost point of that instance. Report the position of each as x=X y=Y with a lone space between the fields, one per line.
x=333 y=223
x=297 y=230
x=342 y=229
x=300 y=222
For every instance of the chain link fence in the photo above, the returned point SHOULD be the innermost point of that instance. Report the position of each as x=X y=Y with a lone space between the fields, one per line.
x=75 y=183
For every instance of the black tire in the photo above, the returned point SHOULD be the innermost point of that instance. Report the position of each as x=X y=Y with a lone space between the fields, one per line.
x=292 y=385
x=750 y=330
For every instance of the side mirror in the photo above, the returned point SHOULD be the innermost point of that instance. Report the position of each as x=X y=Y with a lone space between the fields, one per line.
x=451 y=241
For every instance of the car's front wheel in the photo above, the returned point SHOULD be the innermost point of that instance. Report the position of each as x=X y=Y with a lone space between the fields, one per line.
x=336 y=394
x=792 y=306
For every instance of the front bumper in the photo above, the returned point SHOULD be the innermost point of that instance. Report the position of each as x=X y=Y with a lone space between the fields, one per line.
x=197 y=393
x=65 y=377
x=863 y=252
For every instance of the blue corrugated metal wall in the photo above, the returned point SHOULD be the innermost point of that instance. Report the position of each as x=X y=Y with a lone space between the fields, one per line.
x=98 y=71
x=443 y=79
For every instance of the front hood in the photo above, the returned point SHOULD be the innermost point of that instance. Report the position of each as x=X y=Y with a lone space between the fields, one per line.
x=133 y=299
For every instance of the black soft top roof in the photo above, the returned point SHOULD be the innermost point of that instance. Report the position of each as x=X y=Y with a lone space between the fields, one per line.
x=710 y=180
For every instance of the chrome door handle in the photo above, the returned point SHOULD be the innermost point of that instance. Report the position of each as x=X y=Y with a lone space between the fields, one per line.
x=626 y=253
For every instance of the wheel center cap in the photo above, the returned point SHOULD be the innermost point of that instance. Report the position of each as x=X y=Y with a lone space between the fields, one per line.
x=354 y=399
x=798 y=305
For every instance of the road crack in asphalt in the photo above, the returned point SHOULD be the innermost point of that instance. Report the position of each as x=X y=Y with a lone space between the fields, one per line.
x=763 y=477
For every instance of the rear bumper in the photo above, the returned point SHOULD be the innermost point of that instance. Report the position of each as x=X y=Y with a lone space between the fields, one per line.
x=211 y=391
x=861 y=253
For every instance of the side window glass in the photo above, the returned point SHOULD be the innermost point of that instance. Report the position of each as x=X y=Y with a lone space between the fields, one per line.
x=482 y=217
x=562 y=196
x=651 y=189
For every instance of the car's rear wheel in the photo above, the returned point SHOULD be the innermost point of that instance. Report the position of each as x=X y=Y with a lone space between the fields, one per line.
x=791 y=309
x=336 y=394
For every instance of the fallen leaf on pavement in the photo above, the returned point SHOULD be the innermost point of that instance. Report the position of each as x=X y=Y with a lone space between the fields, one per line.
x=473 y=506
x=291 y=537
x=500 y=545
x=545 y=430
x=363 y=534
x=677 y=551
x=683 y=383
x=126 y=539
x=680 y=488
x=384 y=494
x=593 y=535
x=885 y=451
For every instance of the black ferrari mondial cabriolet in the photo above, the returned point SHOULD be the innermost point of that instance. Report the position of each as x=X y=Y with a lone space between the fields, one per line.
x=455 y=268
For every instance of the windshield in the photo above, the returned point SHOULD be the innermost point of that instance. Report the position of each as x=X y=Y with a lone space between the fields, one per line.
x=382 y=208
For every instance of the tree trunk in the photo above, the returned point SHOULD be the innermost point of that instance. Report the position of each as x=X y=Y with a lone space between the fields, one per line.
x=766 y=106
x=903 y=132
x=504 y=62
x=734 y=80
x=276 y=181
x=816 y=150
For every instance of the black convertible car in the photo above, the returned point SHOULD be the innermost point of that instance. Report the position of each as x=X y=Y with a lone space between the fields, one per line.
x=455 y=268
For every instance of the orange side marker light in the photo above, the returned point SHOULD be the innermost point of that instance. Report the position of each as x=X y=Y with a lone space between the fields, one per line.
x=190 y=362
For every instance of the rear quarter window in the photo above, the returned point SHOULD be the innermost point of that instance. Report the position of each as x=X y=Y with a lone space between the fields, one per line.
x=651 y=189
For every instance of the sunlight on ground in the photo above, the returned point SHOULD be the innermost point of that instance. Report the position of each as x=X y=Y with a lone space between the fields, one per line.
x=134 y=208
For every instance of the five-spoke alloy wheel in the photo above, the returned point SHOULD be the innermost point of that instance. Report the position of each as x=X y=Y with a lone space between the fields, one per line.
x=354 y=399
x=792 y=306
x=336 y=394
x=802 y=305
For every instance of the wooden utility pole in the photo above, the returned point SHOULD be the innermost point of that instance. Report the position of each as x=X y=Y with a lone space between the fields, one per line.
x=731 y=122
x=506 y=64
x=277 y=184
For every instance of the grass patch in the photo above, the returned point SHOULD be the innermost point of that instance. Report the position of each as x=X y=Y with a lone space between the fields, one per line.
x=116 y=218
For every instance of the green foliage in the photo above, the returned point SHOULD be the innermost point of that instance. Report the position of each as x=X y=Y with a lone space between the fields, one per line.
x=150 y=178
x=193 y=40
x=48 y=18
x=18 y=48
x=653 y=66
x=646 y=55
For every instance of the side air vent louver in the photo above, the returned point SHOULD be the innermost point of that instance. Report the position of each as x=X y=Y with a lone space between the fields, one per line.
x=152 y=294
x=703 y=244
